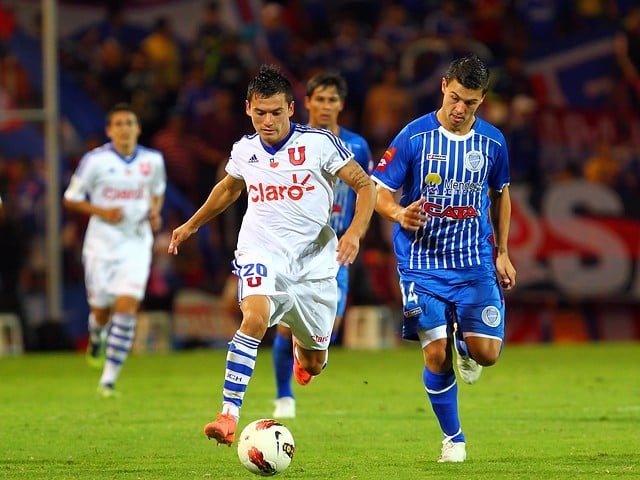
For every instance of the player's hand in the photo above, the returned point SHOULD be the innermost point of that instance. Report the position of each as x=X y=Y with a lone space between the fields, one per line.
x=348 y=247
x=505 y=271
x=413 y=216
x=112 y=215
x=178 y=236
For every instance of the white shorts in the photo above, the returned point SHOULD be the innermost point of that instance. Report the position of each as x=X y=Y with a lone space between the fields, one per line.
x=308 y=307
x=107 y=279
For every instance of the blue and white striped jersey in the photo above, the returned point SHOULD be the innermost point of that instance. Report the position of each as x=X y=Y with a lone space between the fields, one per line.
x=453 y=173
x=344 y=197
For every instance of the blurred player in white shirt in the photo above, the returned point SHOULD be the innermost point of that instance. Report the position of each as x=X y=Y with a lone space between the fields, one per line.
x=287 y=255
x=121 y=186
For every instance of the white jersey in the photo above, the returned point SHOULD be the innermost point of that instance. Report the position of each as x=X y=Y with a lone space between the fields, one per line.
x=290 y=198
x=110 y=180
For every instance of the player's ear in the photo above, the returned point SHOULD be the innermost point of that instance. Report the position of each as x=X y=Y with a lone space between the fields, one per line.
x=292 y=107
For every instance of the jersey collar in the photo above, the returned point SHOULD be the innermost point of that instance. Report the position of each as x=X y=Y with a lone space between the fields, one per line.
x=122 y=157
x=273 y=150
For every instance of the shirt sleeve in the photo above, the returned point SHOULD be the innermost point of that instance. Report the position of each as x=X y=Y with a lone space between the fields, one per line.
x=232 y=165
x=80 y=181
x=160 y=178
x=392 y=167
x=337 y=154
x=499 y=174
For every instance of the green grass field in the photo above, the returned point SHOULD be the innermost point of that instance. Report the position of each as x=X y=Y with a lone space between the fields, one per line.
x=543 y=412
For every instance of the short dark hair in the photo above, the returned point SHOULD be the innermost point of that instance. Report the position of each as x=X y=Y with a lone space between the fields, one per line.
x=470 y=72
x=269 y=82
x=328 y=79
x=119 y=107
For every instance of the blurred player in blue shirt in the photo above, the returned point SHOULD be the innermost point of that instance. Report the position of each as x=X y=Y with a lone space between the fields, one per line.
x=450 y=238
x=326 y=93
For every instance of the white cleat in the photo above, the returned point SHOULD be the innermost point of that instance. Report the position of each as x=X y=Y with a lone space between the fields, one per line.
x=285 y=408
x=468 y=369
x=452 y=452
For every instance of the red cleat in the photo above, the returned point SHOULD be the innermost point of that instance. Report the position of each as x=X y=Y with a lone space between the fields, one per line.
x=301 y=375
x=222 y=429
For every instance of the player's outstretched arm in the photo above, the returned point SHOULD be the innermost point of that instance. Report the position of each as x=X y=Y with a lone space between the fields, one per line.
x=349 y=244
x=225 y=192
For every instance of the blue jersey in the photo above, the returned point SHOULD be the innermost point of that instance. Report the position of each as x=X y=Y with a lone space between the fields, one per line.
x=344 y=198
x=453 y=173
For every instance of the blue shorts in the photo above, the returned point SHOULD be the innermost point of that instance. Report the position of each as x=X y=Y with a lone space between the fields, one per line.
x=437 y=298
x=343 y=289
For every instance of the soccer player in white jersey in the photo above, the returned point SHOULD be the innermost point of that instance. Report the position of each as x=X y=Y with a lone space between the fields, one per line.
x=287 y=254
x=450 y=239
x=326 y=94
x=121 y=186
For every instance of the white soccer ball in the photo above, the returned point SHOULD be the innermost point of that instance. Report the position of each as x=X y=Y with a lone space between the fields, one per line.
x=266 y=447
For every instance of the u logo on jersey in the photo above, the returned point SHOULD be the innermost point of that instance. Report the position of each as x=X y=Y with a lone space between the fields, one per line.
x=145 y=168
x=292 y=156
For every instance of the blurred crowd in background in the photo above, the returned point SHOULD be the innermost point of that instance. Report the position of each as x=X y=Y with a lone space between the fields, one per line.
x=189 y=93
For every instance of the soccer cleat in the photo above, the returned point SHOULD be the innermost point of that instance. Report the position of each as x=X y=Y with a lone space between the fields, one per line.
x=95 y=355
x=468 y=369
x=222 y=429
x=285 y=407
x=107 y=391
x=452 y=452
x=301 y=375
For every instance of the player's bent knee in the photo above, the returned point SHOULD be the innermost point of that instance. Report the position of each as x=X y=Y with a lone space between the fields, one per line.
x=435 y=356
x=254 y=325
x=486 y=362
x=314 y=362
x=314 y=369
x=487 y=356
x=485 y=351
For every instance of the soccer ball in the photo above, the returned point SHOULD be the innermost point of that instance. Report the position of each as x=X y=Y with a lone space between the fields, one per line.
x=266 y=447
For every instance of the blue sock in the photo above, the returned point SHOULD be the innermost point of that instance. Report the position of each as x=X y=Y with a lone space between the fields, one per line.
x=241 y=360
x=283 y=365
x=442 y=390
x=119 y=342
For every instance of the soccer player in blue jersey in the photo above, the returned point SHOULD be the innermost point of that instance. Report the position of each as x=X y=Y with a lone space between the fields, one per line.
x=450 y=239
x=326 y=93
